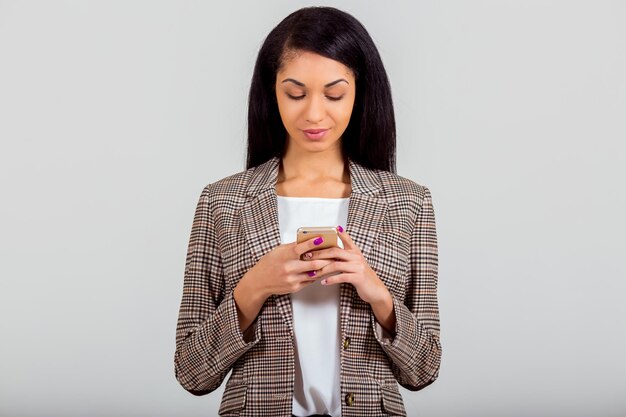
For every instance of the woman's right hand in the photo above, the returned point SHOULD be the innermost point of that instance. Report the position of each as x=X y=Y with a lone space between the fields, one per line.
x=280 y=271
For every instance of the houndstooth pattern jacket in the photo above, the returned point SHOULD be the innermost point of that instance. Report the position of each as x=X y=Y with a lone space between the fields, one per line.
x=390 y=218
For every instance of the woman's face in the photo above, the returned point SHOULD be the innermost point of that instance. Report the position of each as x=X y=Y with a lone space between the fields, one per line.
x=314 y=94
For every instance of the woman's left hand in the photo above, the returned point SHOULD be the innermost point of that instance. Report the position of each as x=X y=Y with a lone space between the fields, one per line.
x=352 y=268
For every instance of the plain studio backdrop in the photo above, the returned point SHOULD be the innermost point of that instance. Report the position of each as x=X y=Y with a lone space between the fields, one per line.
x=115 y=114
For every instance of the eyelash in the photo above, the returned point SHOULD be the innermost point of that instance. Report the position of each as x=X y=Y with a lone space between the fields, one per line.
x=301 y=97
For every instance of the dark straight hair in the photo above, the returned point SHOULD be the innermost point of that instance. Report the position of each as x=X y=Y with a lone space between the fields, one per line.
x=370 y=138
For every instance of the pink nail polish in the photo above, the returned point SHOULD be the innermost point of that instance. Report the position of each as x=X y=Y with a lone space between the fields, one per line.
x=318 y=241
x=323 y=281
x=312 y=273
x=340 y=229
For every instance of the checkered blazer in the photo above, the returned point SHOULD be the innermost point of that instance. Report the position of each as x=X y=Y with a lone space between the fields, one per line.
x=390 y=218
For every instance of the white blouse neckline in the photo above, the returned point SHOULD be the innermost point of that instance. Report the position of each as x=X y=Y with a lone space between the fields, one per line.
x=313 y=198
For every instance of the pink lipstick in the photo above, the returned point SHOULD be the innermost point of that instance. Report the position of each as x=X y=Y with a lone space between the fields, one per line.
x=315 y=133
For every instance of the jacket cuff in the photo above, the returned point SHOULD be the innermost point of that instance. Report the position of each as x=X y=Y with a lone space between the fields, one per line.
x=233 y=342
x=400 y=345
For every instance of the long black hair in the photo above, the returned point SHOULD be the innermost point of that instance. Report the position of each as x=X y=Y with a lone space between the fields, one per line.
x=370 y=138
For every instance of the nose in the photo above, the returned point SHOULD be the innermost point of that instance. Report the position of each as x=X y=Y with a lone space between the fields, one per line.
x=315 y=110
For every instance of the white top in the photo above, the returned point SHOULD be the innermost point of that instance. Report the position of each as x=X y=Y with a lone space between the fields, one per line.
x=315 y=312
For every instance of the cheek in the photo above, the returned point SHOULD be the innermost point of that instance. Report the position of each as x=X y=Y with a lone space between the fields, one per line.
x=345 y=112
x=288 y=112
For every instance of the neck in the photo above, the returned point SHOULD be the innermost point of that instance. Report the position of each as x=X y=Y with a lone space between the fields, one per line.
x=314 y=167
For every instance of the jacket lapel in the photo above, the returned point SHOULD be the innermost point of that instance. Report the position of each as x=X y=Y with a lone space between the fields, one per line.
x=260 y=211
x=260 y=218
x=366 y=213
x=366 y=210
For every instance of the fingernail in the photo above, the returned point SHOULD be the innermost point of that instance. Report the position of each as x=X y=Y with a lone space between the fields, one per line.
x=308 y=255
x=323 y=281
x=318 y=241
x=312 y=273
x=340 y=229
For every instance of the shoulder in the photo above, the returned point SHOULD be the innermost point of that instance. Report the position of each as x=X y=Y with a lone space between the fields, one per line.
x=234 y=189
x=232 y=185
x=398 y=189
x=394 y=182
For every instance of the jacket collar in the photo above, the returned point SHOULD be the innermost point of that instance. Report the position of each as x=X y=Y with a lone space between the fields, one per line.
x=362 y=180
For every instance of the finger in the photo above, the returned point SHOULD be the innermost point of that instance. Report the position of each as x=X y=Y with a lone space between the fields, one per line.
x=315 y=265
x=311 y=276
x=302 y=285
x=334 y=268
x=308 y=245
x=337 y=279
x=347 y=241
x=329 y=253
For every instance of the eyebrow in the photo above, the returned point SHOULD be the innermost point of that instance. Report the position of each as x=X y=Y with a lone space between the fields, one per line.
x=296 y=82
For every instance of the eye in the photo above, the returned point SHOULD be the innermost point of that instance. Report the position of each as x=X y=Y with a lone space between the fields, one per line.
x=295 y=97
x=334 y=98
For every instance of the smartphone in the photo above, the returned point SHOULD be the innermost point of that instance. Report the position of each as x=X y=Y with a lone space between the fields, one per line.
x=328 y=233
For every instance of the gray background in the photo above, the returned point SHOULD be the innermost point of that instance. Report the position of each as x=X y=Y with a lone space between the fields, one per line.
x=114 y=115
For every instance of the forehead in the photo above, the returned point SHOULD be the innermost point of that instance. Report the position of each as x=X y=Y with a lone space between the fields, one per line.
x=305 y=65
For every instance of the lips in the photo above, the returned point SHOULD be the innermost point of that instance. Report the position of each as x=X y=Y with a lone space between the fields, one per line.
x=315 y=133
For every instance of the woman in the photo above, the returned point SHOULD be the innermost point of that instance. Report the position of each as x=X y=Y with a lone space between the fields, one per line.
x=313 y=332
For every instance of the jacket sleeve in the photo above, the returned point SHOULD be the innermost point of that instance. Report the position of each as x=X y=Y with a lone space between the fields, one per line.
x=415 y=349
x=208 y=337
